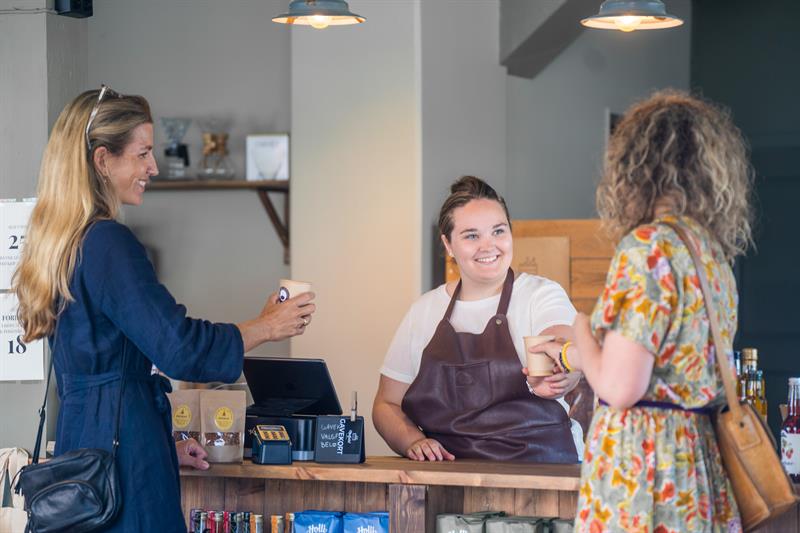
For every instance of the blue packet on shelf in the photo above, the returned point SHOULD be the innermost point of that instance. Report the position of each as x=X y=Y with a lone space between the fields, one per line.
x=318 y=522
x=366 y=522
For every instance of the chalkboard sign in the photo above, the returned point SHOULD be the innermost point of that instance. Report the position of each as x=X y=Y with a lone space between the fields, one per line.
x=339 y=440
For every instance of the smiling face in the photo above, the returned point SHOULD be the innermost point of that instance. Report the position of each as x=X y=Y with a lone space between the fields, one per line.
x=130 y=171
x=480 y=242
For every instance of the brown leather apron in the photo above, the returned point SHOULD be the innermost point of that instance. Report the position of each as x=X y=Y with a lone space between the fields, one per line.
x=471 y=396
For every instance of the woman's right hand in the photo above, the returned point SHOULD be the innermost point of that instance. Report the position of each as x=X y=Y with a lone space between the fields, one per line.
x=286 y=319
x=278 y=320
x=428 y=449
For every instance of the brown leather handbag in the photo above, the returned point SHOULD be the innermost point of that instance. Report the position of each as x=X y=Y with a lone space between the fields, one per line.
x=762 y=488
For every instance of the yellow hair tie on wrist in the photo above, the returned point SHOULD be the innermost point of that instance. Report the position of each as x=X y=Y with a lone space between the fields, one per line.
x=562 y=357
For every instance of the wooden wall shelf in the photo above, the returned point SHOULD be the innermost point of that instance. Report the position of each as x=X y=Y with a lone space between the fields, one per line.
x=263 y=188
x=198 y=184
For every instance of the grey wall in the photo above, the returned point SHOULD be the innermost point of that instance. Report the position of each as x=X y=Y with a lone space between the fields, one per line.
x=42 y=66
x=216 y=251
x=556 y=121
x=463 y=110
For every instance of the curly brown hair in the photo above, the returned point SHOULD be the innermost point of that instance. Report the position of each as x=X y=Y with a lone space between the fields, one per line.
x=684 y=150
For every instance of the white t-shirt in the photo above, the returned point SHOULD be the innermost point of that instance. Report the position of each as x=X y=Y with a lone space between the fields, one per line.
x=536 y=304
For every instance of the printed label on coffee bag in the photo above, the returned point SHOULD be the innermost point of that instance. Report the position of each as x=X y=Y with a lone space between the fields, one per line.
x=223 y=418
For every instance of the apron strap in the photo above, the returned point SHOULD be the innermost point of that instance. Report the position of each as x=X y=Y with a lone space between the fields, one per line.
x=505 y=296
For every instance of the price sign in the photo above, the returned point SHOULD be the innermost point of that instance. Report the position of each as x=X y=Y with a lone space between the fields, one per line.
x=18 y=360
x=339 y=440
x=13 y=223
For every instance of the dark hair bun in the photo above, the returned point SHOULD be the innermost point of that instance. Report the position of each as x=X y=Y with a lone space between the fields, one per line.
x=473 y=186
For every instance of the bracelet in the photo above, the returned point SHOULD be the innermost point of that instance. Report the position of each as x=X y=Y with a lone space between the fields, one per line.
x=562 y=357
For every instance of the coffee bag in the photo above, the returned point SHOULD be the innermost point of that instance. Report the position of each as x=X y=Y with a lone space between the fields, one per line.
x=222 y=425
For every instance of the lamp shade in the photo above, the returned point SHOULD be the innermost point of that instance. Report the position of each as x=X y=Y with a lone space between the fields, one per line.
x=319 y=14
x=630 y=15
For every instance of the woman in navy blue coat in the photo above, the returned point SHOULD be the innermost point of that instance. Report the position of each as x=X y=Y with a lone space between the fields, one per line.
x=85 y=282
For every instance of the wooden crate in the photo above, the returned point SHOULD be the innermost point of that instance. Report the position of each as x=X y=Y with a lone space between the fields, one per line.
x=590 y=253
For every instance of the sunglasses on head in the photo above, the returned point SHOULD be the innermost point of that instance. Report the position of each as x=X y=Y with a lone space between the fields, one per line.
x=104 y=90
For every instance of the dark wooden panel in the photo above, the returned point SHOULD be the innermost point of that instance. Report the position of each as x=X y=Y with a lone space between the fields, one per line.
x=545 y=503
x=325 y=495
x=479 y=499
x=365 y=497
x=245 y=495
x=567 y=505
x=283 y=496
x=202 y=493
x=442 y=500
x=407 y=508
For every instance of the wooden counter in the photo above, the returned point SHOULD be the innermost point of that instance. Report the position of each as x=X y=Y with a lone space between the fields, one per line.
x=413 y=492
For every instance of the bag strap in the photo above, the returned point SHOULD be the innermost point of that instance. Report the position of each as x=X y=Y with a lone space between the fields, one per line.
x=43 y=410
x=725 y=370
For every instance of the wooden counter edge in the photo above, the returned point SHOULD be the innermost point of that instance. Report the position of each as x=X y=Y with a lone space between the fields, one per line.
x=405 y=472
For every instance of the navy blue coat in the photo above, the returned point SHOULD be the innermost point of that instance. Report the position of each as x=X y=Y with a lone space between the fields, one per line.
x=119 y=304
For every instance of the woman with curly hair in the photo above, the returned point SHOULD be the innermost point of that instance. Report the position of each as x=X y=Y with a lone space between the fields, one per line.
x=651 y=462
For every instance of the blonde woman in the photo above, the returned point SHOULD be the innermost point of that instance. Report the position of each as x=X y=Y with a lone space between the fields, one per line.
x=85 y=283
x=651 y=461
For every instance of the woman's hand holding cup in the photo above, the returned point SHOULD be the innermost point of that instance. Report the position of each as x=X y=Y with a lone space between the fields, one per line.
x=285 y=319
x=545 y=375
x=278 y=320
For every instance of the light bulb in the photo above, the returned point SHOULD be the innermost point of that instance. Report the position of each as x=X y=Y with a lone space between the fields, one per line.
x=319 y=22
x=627 y=23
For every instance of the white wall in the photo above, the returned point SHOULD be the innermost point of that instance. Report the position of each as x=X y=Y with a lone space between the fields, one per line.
x=356 y=189
x=463 y=109
x=42 y=67
x=556 y=125
x=216 y=251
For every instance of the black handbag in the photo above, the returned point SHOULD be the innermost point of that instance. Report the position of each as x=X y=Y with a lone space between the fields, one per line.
x=77 y=491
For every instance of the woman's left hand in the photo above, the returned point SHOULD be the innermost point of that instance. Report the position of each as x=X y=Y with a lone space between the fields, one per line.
x=190 y=453
x=555 y=386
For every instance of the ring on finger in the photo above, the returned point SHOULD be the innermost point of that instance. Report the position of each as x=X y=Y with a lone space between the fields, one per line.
x=305 y=321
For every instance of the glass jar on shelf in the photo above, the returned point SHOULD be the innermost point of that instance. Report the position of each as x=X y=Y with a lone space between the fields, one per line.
x=176 y=154
x=216 y=163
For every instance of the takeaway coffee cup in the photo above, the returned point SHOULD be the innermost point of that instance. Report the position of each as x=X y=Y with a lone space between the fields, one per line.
x=290 y=288
x=539 y=364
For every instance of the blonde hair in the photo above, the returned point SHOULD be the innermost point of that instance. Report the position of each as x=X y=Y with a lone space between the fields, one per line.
x=71 y=195
x=686 y=151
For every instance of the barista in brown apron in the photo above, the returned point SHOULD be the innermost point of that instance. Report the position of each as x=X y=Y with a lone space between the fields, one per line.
x=471 y=396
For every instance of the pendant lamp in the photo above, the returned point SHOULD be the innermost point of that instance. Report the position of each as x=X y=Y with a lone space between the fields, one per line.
x=319 y=14
x=630 y=15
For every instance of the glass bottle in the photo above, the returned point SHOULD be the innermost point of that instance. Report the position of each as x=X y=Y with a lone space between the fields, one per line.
x=790 y=433
x=737 y=365
x=750 y=394
x=761 y=397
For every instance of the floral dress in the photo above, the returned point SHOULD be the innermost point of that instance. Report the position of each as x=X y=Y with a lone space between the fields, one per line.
x=650 y=469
